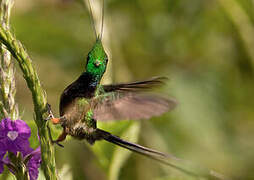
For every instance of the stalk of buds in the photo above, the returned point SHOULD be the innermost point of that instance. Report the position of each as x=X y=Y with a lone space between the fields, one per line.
x=8 y=107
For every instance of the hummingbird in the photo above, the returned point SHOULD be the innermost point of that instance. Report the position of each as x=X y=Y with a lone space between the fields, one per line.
x=87 y=100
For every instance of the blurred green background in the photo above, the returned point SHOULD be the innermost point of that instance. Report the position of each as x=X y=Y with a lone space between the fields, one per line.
x=205 y=47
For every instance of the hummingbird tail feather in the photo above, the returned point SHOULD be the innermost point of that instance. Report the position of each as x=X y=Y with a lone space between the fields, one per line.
x=167 y=159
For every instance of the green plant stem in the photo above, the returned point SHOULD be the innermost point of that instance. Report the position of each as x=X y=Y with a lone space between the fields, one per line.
x=39 y=99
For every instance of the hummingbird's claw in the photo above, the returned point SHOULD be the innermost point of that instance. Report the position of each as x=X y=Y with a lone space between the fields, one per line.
x=50 y=116
x=49 y=110
x=56 y=142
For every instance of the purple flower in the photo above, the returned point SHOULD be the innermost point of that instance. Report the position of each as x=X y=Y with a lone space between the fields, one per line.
x=14 y=137
x=34 y=163
x=1 y=162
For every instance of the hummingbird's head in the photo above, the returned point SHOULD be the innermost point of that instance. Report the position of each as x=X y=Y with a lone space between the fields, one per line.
x=97 y=60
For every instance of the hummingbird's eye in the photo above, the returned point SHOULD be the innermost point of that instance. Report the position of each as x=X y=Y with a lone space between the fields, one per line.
x=97 y=63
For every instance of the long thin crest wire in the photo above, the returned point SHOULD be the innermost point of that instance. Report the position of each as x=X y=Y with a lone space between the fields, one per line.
x=102 y=18
x=92 y=18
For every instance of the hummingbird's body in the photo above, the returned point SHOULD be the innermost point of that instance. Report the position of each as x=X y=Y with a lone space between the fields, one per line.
x=76 y=101
x=75 y=108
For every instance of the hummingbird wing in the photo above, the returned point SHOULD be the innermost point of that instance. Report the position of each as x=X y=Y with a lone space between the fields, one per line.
x=136 y=86
x=126 y=101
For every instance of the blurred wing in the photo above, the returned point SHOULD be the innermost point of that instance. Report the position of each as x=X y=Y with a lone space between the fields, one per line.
x=126 y=101
x=127 y=105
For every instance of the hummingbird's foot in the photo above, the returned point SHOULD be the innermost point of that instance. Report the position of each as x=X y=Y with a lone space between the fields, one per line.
x=55 y=120
x=62 y=137
x=56 y=142
x=51 y=139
